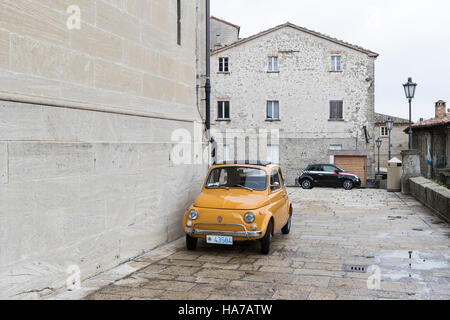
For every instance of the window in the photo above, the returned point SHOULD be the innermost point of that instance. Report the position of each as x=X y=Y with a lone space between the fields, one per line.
x=273 y=110
x=179 y=22
x=273 y=64
x=274 y=180
x=223 y=110
x=384 y=132
x=336 y=63
x=336 y=147
x=273 y=153
x=315 y=168
x=328 y=168
x=223 y=65
x=336 y=110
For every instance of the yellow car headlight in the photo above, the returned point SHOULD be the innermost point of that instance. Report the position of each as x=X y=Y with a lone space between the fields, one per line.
x=193 y=215
x=249 y=217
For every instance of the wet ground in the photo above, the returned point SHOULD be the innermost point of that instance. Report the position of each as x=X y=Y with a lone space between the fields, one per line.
x=359 y=244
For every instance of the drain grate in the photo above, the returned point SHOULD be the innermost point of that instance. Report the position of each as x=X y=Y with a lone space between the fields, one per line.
x=353 y=268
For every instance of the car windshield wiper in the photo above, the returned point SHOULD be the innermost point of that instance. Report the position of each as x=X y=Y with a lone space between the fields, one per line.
x=243 y=187
x=219 y=187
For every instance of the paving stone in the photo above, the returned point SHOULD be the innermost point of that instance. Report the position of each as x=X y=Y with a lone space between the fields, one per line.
x=276 y=269
x=156 y=276
x=133 y=281
x=214 y=259
x=180 y=270
x=322 y=295
x=292 y=292
x=227 y=266
x=169 y=285
x=268 y=277
x=220 y=274
x=185 y=263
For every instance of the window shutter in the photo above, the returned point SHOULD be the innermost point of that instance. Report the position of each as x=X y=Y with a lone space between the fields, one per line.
x=227 y=109
x=276 y=110
x=332 y=110
x=219 y=110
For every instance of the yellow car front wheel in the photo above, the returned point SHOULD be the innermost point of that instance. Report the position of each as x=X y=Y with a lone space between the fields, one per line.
x=265 y=241
x=191 y=243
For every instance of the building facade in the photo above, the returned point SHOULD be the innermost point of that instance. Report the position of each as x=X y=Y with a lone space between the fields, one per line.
x=432 y=138
x=91 y=98
x=223 y=33
x=315 y=93
x=399 y=140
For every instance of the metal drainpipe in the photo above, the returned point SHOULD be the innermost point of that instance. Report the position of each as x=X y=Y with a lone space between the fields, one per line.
x=208 y=70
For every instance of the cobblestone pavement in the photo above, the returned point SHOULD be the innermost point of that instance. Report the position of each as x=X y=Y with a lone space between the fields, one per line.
x=331 y=228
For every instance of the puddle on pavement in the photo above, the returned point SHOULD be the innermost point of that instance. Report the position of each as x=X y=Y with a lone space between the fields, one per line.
x=409 y=264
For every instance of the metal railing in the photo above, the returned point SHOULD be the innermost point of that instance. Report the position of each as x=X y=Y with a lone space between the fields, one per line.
x=440 y=162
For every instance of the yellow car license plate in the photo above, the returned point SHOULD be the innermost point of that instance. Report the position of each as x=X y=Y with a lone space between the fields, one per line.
x=219 y=240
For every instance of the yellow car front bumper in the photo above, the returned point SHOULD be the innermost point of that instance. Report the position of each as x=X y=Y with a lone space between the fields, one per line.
x=244 y=234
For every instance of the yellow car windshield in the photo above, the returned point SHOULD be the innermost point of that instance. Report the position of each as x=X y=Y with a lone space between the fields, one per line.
x=237 y=178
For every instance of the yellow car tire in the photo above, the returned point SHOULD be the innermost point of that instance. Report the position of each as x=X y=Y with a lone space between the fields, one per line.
x=265 y=241
x=191 y=243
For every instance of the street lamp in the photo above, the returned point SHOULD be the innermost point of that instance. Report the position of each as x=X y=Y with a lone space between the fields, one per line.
x=389 y=126
x=379 y=142
x=410 y=90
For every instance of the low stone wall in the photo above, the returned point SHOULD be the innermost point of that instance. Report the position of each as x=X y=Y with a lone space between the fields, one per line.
x=431 y=195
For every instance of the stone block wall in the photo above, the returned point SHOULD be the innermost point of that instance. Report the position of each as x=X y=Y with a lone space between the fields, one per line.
x=87 y=116
x=432 y=195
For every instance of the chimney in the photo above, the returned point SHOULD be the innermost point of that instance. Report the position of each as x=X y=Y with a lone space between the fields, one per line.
x=440 y=109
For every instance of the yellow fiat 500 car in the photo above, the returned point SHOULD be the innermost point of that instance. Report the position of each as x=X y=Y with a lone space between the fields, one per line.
x=239 y=202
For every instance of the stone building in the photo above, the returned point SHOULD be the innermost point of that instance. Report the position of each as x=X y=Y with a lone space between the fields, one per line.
x=223 y=33
x=399 y=140
x=90 y=98
x=432 y=138
x=314 y=91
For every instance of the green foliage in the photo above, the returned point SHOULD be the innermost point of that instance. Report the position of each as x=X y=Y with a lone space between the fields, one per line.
x=438 y=182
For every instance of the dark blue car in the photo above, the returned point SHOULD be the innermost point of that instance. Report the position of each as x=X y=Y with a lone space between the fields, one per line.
x=328 y=175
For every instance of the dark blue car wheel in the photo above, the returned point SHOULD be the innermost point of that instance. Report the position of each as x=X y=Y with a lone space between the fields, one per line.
x=306 y=184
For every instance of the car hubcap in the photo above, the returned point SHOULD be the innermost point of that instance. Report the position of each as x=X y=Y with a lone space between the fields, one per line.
x=306 y=184
x=347 y=185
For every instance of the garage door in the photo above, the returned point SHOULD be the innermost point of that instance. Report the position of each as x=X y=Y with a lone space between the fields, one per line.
x=353 y=164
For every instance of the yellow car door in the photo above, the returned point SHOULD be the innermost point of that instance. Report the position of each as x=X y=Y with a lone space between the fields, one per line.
x=285 y=200
x=277 y=199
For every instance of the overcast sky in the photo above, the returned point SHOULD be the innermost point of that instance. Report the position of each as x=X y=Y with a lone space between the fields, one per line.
x=411 y=36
